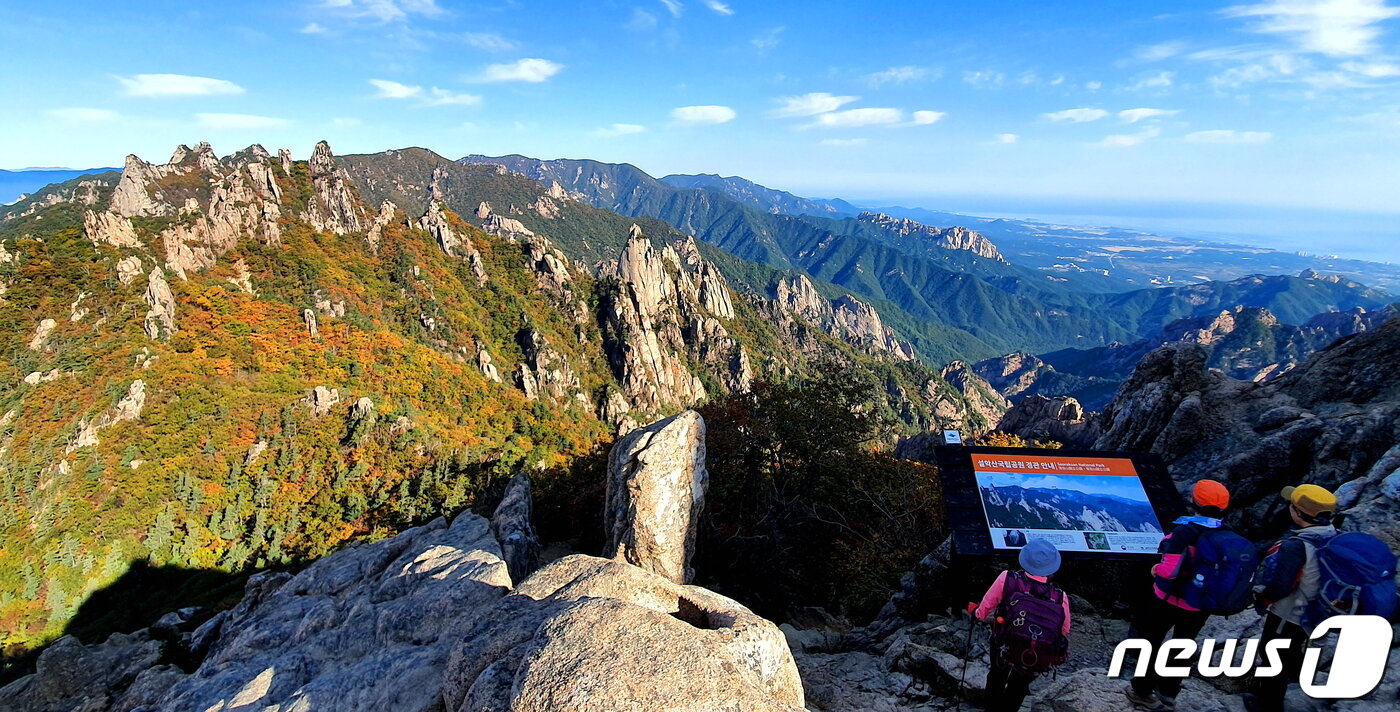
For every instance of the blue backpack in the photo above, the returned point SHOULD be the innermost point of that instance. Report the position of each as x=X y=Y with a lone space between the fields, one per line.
x=1357 y=577
x=1222 y=572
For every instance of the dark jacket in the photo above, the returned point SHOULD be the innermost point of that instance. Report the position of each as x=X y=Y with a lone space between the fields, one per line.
x=1289 y=578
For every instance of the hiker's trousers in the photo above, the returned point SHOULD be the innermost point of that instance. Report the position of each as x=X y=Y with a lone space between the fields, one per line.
x=1158 y=621
x=1271 y=690
x=1007 y=686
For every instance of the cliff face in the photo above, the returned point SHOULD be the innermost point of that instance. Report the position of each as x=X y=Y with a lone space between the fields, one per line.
x=948 y=238
x=1334 y=421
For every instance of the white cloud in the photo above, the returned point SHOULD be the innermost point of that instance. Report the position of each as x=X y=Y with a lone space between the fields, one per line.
x=896 y=75
x=1127 y=140
x=1372 y=70
x=177 y=85
x=1076 y=115
x=1133 y=116
x=851 y=118
x=619 y=130
x=1160 y=51
x=984 y=78
x=383 y=10
x=1330 y=27
x=843 y=142
x=769 y=39
x=83 y=115
x=489 y=42
x=1228 y=136
x=1160 y=80
x=701 y=115
x=642 y=21
x=718 y=7
x=443 y=97
x=809 y=104
x=395 y=90
x=313 y=28
x=1007 y=138
x=674 y=6
x=924 y=118
x=237 y=121
x=531 y=70
x=1093 y=86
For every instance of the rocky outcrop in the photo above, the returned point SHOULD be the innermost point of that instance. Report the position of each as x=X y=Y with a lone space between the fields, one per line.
x=655 y=491
x=127 y=408
x=308 y=318
x=1012 y=374
x=40 y=337
x=436 y=223
x=160 y=318
x=545 y=373
x=334 y=207
x=641 y=335
x=128 y=269
x=592 y=635
x=983 y=401
x=845 y=318
x=1330 y=421
x=1060 y=419
x=321 y=399
x=108 y=228
x=494 y=224
x=375 y=235
x=70 y=676
x=487 y=366
x=947 y=238
x=513 y=526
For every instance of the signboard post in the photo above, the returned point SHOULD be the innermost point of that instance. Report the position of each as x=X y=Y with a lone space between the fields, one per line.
x=1103 y=505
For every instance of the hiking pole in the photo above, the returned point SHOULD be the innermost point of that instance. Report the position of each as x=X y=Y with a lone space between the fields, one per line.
x=967 y=653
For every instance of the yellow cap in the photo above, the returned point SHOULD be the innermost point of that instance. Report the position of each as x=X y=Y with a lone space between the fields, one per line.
x=1311 y=500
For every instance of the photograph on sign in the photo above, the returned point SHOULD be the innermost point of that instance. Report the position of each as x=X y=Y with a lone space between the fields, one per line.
x=1089 y=504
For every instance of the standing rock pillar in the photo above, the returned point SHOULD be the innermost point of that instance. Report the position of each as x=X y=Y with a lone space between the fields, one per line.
x=655 y=492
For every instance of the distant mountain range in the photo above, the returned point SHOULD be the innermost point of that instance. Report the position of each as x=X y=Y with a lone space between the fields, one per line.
x=1014 y=507
x=15 y=184
x=912 y=277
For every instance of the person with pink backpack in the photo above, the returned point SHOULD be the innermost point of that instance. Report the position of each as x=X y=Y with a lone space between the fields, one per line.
x=1030 y=629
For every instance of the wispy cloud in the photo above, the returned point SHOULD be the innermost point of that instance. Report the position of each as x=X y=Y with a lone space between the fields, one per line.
x=702 y=115
x=987 y=78
x=768 y=40
x=1133 y=116
x=1330 y=27
x=1229 y=136
x=843 y=142
x=444 y=97
x=718 y=7
x=642 y=21
x=83 y=115
x=395 y=90
x=238 y=121
x=1076 y=115
x=177 y=85
x=852 y=118
x=1007 y=138
x=313 y=28
x=382 y=10
x=1093 y=86
x=489 y=42
x=532 y=70
x=924 y=118
x=619 y=130
x=673 y=6
x=1160 y=80
x=432 y=97
x=1160 y=51
x=1127 y=140
x=896 y=75
x=809 y=104
x=1372 y=70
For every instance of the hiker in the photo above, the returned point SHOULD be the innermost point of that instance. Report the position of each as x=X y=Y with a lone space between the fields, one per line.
x=1311 y=574
x=1031 y=626
x=1206 y=569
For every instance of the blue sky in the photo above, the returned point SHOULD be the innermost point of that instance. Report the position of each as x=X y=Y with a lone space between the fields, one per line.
x=1114 y=485
x=1283 y=103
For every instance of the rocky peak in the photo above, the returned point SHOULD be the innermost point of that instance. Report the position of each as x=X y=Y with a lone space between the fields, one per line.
x=1061 y=419
x=1011 y=374
x=863 y=326
x=948 y=238
x=799 y=296
x=334 y=208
